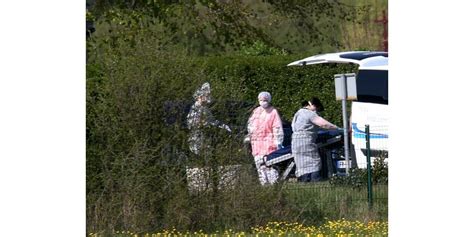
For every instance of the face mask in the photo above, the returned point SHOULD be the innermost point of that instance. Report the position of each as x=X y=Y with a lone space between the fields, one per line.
x=206 y=99
x=264 y=104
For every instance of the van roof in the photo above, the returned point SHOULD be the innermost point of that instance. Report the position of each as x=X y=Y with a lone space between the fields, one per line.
x=368 y=60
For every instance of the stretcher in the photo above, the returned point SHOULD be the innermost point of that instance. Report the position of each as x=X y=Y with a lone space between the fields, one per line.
x=327 y=141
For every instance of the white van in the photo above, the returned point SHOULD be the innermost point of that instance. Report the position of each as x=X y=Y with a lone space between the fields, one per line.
x=371 y=107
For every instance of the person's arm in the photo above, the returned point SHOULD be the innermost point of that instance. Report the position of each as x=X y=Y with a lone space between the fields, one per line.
x=214 y=122
x=277 y=130
x=320 y=121
x=250 y=124
x=293 y=121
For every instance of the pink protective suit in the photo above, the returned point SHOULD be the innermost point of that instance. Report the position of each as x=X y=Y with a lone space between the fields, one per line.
x=265 y=130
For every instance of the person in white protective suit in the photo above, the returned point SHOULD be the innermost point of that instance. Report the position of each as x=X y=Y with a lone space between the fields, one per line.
x=200 y=116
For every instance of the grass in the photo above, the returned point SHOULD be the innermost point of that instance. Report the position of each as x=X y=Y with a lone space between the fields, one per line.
x=323 y=200
x=340 y=228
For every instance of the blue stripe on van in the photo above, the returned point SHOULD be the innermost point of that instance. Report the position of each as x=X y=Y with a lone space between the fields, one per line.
x=357 y=133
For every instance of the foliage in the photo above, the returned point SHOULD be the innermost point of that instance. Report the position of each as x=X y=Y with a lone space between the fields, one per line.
x=243 y=77
x=313 y=202
x=358 y=176
x=136 y=160
x=89 y=16
x=144 y=62
x=329 y=228
x=258 y=48
x=205 y=27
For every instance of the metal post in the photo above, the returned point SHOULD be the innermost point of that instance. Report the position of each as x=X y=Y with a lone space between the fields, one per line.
x=369 y=166
x=344 y=117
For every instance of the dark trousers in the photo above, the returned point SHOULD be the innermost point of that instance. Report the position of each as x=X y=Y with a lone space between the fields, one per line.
x=310 y=177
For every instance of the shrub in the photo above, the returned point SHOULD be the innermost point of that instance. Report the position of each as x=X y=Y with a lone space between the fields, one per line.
x=359 y=177
x=137 y=149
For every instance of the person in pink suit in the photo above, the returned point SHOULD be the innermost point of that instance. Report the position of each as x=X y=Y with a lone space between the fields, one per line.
x=266 y=135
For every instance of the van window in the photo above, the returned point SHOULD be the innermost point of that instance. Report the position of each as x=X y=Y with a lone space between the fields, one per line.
x=372 y=86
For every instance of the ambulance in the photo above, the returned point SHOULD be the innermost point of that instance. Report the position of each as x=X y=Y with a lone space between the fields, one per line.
x=371 y=106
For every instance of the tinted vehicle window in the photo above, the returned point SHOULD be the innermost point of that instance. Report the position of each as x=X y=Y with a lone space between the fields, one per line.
x=363 y=55
x=372 y=86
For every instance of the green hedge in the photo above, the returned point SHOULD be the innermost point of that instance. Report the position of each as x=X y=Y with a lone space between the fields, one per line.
x=243 y=77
